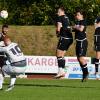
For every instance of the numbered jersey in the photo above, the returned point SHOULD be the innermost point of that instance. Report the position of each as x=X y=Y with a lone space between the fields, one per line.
x=13 y=52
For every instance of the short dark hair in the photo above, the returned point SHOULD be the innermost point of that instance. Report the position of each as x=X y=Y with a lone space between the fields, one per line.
x=4 y=26
x=62 y=8
x=79 y=10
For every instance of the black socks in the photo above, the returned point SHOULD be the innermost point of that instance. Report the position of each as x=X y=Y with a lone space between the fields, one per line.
x=61 y=62
x=96 y=64
x=85 y=71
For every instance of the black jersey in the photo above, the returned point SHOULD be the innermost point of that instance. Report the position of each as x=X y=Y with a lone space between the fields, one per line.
x=65 y=29
x=97 y=29
x=1 y=39
x=78 y=34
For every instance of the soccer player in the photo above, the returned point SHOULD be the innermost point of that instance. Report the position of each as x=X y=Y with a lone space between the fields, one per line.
x=81 y=42
x=97 y=45
x=63 y=31
x=17 y=61
x=2 y=55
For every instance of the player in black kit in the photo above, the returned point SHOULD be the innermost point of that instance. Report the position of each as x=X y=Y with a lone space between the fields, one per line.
x=97 y=45
x=81 y=42
x=65 y=40
x=2 y=34
x=2 y=54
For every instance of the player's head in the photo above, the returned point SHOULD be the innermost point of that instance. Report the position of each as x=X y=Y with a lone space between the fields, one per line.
x=7 y=41
x=79 y=14
x=61 y=11
x=4 y=28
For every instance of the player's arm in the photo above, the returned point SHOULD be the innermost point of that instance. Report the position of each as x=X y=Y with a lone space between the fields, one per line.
x=58 y=26
x=2 y=49
x=79 y=28
x=2 y=44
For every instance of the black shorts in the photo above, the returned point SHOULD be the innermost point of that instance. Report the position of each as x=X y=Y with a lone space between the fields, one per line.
x=81 y=48
x=64 y=43
x=97 y=42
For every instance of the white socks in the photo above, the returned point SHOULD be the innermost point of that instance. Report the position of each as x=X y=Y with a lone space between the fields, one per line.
x=61 y=70
x=1 y=80
x=12 y=81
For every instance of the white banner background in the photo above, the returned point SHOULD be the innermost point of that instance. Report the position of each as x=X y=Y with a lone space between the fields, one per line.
x=48 y=64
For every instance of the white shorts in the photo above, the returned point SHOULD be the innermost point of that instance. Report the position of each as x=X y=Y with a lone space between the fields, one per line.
x=13 y=70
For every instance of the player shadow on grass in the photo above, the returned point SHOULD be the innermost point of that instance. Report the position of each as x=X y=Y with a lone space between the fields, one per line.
x=47 y=85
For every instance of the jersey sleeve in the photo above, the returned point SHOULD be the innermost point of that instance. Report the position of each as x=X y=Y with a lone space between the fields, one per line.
x=59 y=19
x=3 y=49
x=68 y=21
x=83 y=23
x=2 y=44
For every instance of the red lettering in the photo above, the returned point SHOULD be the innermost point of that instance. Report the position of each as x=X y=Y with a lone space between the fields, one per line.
x=30 y=61
x=37 y=62
x=50 y=62
x=56 y=64
x=72 y=60
x=44 y=60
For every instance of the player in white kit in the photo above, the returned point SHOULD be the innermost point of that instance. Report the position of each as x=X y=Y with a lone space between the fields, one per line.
x=17 y=61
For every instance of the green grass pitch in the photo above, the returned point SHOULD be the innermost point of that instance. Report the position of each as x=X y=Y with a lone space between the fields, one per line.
x=42 y=89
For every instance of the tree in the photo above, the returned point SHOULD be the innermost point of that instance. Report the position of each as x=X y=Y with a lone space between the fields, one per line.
x=43 y=12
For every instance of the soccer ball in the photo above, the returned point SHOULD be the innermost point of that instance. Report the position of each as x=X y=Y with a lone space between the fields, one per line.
x=4 y=14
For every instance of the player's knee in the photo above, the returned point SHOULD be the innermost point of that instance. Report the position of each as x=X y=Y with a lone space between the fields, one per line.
x=82 y=61
x=60 y=53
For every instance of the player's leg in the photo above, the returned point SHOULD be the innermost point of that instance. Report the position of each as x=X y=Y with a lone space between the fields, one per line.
x=97 y=64
x=62 y=47
x=1 y=79
x=84 y=68
x=12 y=82
x=81 y=49
x=1 y=72
x=9 y=70
x=97 y=50
x=61 y=63
x=17 y=71
x=13 y=71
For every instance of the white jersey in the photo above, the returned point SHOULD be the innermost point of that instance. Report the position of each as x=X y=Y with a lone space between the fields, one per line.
x=13 y=52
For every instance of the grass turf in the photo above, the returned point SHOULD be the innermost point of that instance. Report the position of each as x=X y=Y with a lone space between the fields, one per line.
x=37 y=89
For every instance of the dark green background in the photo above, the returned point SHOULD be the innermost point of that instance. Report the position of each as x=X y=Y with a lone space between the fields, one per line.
x=43 y=12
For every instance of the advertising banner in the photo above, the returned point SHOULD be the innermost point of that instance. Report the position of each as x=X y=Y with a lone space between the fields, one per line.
x=41 y=64
x=48 y=65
